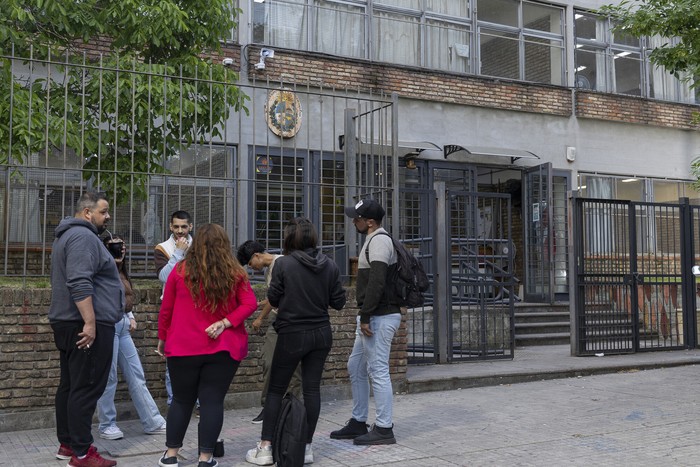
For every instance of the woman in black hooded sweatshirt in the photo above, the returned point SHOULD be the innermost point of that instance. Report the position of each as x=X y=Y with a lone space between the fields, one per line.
x=305 y=283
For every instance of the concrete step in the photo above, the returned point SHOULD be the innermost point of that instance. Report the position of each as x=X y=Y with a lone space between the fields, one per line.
x=558 y=338
x=542 y=328
x=542 y=324
x=542 y=317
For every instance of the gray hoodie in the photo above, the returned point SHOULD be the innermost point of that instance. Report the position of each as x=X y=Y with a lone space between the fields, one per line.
x=82 y=267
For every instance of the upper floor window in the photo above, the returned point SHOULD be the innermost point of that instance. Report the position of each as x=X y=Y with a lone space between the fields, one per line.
x=512 y=38
x=521 y=40
x=614 y=62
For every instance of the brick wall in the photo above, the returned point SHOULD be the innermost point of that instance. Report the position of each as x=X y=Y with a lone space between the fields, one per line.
x=323 y=71
x=30 y=366
x=631 y=109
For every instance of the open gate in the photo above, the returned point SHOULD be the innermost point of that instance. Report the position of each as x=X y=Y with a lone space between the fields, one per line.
x=634 y=290
x=466 y=249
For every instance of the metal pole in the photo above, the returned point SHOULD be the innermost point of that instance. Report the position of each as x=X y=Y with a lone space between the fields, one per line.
x=441 y=286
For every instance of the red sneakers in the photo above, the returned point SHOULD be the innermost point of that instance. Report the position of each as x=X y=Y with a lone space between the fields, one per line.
x=92 y=459
x=64 y=452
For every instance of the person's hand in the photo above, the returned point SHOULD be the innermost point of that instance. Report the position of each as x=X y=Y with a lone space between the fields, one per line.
x=365 y=330
x=215 y=329
x=132 y=325
x=160 y=348
x=257 y=324
x=181 y=244
x=87 y=336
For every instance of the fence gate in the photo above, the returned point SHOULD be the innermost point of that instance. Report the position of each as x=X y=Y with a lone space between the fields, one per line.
x=480 y=277
x=634 y=289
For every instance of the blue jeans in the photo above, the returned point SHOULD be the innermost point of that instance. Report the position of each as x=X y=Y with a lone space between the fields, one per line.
x=127 y=357
x=369 y=361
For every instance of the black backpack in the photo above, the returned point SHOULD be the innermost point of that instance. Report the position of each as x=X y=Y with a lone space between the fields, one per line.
x=289 y=438
x=406 y=280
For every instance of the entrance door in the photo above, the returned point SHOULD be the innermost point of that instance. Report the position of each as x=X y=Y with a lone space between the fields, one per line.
x=545 y=214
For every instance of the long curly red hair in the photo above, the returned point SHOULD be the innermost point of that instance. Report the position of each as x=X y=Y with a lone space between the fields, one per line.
x=211 y=270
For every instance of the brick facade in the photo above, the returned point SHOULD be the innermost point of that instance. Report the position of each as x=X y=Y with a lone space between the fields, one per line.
x=317 y=70
x=29 y=359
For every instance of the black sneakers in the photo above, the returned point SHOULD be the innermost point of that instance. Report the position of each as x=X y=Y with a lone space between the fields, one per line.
x=259 y=418
x=377 y=435
x=351 y=430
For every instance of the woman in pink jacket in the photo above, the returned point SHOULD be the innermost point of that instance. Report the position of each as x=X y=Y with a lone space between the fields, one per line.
x=206 y=301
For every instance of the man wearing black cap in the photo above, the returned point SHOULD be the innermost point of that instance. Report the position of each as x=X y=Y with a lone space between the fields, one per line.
x=377 y=323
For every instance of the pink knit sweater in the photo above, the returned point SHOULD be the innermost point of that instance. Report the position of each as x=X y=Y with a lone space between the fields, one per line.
x=181 y=325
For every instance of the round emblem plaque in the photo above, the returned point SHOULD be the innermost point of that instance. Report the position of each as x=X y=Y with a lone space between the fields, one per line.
x=283 y=113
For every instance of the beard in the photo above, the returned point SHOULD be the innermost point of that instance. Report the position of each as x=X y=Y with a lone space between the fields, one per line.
x=362 y=231
x=100 y=228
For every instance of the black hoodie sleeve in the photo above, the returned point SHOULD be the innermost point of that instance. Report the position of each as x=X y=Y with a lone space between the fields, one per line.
x=375 y=290
x=337 y=292
x=276 y=288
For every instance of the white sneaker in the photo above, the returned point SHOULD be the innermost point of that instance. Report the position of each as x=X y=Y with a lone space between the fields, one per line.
x=111 y=432
x=158 y=431
x=308 y=455
x=260 y=456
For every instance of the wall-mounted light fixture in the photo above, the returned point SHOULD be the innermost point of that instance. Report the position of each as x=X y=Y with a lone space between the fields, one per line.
x=410 y=159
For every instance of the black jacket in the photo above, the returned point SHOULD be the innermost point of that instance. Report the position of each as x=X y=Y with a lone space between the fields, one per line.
x=304 y=284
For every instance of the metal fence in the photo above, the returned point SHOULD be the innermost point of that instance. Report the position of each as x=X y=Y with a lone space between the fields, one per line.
x=634 y=288
x=248 y=155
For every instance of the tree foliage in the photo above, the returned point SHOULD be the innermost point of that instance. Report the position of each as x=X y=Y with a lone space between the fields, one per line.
x=671 y=19
x=124 y=112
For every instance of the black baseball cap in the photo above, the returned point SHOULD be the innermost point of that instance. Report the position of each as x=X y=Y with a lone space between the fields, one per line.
x=367 y=209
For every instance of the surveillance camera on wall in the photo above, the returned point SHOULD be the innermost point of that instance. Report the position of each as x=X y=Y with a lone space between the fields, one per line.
x=264 y=53
x=227 y=62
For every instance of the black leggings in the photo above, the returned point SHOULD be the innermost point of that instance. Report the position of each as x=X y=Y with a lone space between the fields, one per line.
x=208 y=378
x=311 y=349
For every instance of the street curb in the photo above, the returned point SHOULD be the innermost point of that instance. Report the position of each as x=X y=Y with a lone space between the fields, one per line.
x=453 y=383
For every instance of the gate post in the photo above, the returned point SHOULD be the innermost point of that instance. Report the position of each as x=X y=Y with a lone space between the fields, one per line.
x=350 y=176
x=441 y=282
x=687 y=278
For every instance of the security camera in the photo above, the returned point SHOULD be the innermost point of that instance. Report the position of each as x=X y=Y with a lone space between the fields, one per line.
x=264 y=53
x=227 y=62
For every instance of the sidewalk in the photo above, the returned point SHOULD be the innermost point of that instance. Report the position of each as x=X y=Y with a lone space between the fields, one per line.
x=429 y=419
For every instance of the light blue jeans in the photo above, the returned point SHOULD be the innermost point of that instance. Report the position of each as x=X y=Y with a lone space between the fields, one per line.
x=369 y=362
x=127 y=357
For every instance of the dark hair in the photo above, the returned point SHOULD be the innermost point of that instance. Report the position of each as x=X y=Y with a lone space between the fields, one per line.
x=121 y=267
x=247 y=250
x=184 y=215
x=89 y=200
x=210 y=269
x=300 y=234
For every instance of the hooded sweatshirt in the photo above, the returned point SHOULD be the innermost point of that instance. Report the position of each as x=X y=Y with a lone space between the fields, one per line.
x=304 y=284
x=81 y=267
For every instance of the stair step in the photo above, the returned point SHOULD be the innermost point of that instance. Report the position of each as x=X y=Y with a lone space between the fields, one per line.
x=555 y=316
x=557 y=338
x=542 y=324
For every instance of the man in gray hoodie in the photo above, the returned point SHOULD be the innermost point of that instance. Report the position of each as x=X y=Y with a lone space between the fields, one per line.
x=87 y=299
